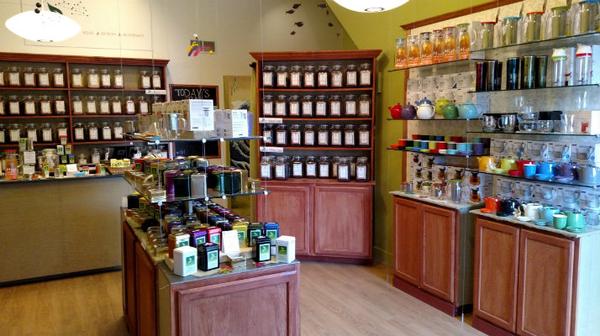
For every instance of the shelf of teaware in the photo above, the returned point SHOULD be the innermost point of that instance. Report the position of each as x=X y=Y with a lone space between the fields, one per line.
x=535 y=46
x=573 y=183
x=571 y=87
x=448 y=64
x=158 y=139
x=280 y=149
x=436 y=154
x=524 y=133
x=434 y=119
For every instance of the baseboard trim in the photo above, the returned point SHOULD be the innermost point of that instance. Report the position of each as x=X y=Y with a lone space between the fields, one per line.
x=59 y=276
x=430 y=299
x=341 y=260
x=489 y=328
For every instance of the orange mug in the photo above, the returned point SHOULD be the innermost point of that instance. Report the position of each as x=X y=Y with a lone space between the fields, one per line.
x=491 y=204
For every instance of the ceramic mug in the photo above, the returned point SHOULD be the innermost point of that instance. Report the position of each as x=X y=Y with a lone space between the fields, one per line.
x=491 y=204
x=486 y=163
x=508 y=164
x=545 y=168
x=548 y=214
x=532 y=210
x=575 y=220
x=529 y=170
x=461 y=147
x=559 y=220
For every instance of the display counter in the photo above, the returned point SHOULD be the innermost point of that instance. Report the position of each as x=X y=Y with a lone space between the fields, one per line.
x=58 y=227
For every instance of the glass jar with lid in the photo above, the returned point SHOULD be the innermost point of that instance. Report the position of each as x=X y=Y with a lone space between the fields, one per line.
x=118 y=130
x=268 y=76
x=350 y=105
x=104 y=105
x=282 y=76
x=266 y=168
x=105 y=81
x=321 y=106
x=349 y=136
x=59 y=105
x=2 y=106
x=32 y=133
x=76 y=78
x=364 y=105
x=323 y=76
x=267 y=133
x=337 y=76
x=14 y=106
x=335 y=106
x=14 y=133
x=297 y=166
x=280 y=106
x=324 y=167
x=62 y=131
x=296 y=76
x=93 y=79
x=117 y=79
x=143 y=105
x=281 y=135
x=486 y=34
x=116 y=105
x=366 y=74
x=510 y=30
x=414 y=53
x=91 y=105
x=295 y=135
x=106 y=131
x=45 y=105
x=281 y=168
x=307 y=106
x=267 y=106
x=343 y=170
x=426 y=48
x=323 y=135
x=47 y=134
x=309 y=76
x=438 y=46
x=362 y=169
x=294 y=106
x=79 y=132
x=336 y=135
x=2 y=134
x=129 y=105
x=400 y=58
x=145 y=82
x=156 y=80
x=43 y=77
x=309 y=135
x=28 y=77
x=2 y=77
x=58 y=78
x=351 y=75
x=77 y=105
x=334 y=165
x=92 y=131
x=311 y=167
x=464 y=41
x=450 y=48
x=364 y=135
x=29 y=105
x=14 y=76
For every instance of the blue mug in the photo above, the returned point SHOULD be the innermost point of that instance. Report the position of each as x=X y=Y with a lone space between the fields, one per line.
x=529 y=170
x=424 y=144
x=548 y=214
x=545 y=168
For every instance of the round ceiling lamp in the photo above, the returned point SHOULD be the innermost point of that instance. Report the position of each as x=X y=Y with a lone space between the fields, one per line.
x=370 y=6
x=43 y=25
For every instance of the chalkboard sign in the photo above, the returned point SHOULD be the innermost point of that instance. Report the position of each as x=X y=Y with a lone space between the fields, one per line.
x=183 y=91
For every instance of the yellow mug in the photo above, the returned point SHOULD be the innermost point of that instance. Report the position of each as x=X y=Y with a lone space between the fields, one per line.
x=508 y=164
x=486 y=163
x=432 y=144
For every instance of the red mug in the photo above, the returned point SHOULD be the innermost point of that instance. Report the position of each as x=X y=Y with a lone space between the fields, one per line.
x=402 y=142
x=416 y=136
x=491 y=204
x=456 y=139
x=441 y=145
x=521 y=163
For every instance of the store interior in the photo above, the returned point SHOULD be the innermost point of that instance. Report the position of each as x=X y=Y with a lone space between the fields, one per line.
x=316 y=167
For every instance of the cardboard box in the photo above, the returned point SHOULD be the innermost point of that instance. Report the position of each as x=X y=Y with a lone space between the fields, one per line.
x=184 y=260
x=286 y=249
x=232 y=123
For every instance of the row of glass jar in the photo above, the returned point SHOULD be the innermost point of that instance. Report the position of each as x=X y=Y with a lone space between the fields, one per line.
x=317 y=106
x=28 y=76
x=321 y=76
x=36 y=132
x=322 y=135
x=95 y=131
x=443 y=45
x=29 y=105
x=46 y=105
x=343 y=168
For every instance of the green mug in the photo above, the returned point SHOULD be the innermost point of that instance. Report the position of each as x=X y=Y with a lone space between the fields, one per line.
x=560 y=220
x=575 y=221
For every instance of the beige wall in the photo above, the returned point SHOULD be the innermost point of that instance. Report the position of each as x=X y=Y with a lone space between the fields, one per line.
x=163 y=28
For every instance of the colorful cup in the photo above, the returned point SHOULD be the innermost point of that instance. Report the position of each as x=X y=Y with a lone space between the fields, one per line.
x=424 y=144
x=529 y=170
x=575 y=221
x=548 y=214
x=559 y=220
x=432 y=144
x=491 y=204
x=478 y=148
x=545 y=168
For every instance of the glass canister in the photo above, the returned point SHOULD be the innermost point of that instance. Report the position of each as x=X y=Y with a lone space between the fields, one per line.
x=297 y=166
x=77 y=105
x=337 y=76
x=106 y=131
x=311 y=166
x=336 y=135
x=2 y=106
x=586 y=13
x=323 y=76
x=28 y=77
x=307 y=106
x=11 y=163
x=267 y=134
x=464 y=41
x=350 y=105
x=366 y=74
x=14 y=105
x=29 y=105
x=296 y=76
x=280 y=105
x=91 y=105
x=14 y=76
x=533 y=27
x=324 y=167
x=295 y=135
x=2 y=134
x=76 y=78
x=309 y=76
x=401 y=59
x=117 y=79
x=59 y=105
x=129 y=105
x=117 y=131
x=14 y=133
x=309 y=135
x=93 y=79
x=362 y=169
x=58 y=77
x=104 y=105
x=343 y=170
x=335 y=106
x=267 y=108
x=450 y=45
x=364 y=135
x=143 y=105
x=47 y=134
x=281 y=168
x=266 y=168
x=116 y=105
x=2 y=77
x=414 y=53
x=156 y=80
x=62 y=131
x=364 y=105
x=45 y=105
x=268 y=75
x=294 y=105
x=321 y=106
x=510 y=30
x=426 y=48
x=334 y=166
x=43 y=77
x=92 y=131
x=145 y=81
x=281 y=135
x=438 y=46
x=486 y=34
x=349 y=136
x=105 y=81
x=557 y=23
x=351 y=75
x=32 y=133
x=323 y=135
x=282 y=76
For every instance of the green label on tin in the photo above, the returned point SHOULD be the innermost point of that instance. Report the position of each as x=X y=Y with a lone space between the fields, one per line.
x=282 y=250
x=215 y=238
x=254 y=234
x=190 y=261
x=241 y=236
x=264 y=252
x=272 y=234
x=183 y=243
x=200 y=240
x=213 y=259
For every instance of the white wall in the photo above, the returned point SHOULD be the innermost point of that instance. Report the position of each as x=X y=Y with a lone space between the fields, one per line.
x=163 y=28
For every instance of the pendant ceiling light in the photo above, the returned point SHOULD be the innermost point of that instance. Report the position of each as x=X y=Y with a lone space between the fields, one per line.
x=370 y=6
x=43 y=25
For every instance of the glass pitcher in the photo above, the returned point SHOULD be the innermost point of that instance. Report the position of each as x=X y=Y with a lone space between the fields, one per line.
x=414 y=55
x=438 y=46
x=464 y=41
x=401 y=59
x=426 y=48
x=510 y=30
x=450 y=44
x=585 y=14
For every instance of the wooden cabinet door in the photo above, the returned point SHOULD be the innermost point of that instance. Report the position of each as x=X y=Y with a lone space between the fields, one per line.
x=545 y=285
x=496 y=266
x=438 y=251
x=146 y=293
x=343 y=220
x=407 y=240
x=290 y=205
x=129 y=303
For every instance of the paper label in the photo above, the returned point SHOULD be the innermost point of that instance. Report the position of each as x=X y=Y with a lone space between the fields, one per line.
x=336 y=138
x=60 y=106
x=46 y=135
x=336 y=79
x=267 y=78
x=59 y=79
x=104 y=107
x=2 y=138
x=365 y=108
x=309 y=138
x=29 y=157
x=307 y=108
x=78 y=107
x=282 y=79
x=351 y=78
x=323 y=170
x=343 y=172
x=13 y=107
x=45 y=107
x=116 y=107
x=79 y=134
x=76 y=80
x=335 y=108
x=361 y=173
x=321 y=108
x=294 y=109
x=93 y=81
x=106 y=133
x=309 y=79
x=295 y=79
x=32 y=135
x=351 y=108
x=130 y=107
x=29 y=107
x=144 y=107
x=91 y=107
x=349 y=139
x=322 y=78
x=297 y=170
x=105 y=80
x=323 y=138
x=145 y=82
x=280 y=109
x=44 y=79
x=93 y=133
x=265 y=171
x=268 y=108
x=62 y=132
x=364 y=138
x=13 y=79
x=311 y=169
x=281 y=137
x=14 y=135
x=118 y=132
x=29 y=79
x=119 y=81
x=295 y=138
x=280 y=171
x=365 y=77
x=264 y=252
x=28 y=169
x=156 y=82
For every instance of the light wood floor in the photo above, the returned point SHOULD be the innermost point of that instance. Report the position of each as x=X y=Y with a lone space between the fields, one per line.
x=335 y=300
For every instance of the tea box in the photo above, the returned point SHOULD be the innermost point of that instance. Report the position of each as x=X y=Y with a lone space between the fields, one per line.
x=242 y=231
x=255 y=230
x=184 y=259
x=286 y=249
x=208 y=257
x=261 y=251
x=271 y=231
x=177 y=240
x=214 y=235
x=197 y=236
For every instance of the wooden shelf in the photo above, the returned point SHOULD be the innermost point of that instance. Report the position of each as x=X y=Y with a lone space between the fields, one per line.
x=312 y=119
x=34 y=117
x=345 y=89
x=35 y=144
x=24 y=88
x=315 y=180
x=110 y=90
x=318 y=148
x=104 y=116
x=106 y=142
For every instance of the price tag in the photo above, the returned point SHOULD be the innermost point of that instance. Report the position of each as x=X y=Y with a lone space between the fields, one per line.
x=265 y=149
x=28 y=169
x=29 y=157
x=71 y=168
x=270 y=120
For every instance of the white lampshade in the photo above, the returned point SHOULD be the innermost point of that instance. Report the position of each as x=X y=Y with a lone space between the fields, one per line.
x=45 y=26
x=370 y=6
